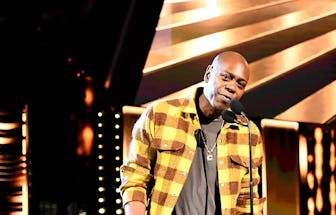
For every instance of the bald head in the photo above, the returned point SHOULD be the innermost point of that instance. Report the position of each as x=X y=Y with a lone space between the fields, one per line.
x=230 y=58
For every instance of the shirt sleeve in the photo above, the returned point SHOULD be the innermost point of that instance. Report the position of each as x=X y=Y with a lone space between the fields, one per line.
x=135 y=173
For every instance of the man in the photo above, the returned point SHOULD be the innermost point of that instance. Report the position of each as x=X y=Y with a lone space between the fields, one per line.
x=185 y=159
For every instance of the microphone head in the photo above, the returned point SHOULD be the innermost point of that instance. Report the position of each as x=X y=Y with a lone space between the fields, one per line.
x=237 y=107
x=229 y=116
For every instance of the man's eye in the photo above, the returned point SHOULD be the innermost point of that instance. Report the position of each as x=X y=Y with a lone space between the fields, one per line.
x=226 y=77
x=241 y=85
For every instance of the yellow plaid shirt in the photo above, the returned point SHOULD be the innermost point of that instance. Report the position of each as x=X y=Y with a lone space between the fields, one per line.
x=161 y=151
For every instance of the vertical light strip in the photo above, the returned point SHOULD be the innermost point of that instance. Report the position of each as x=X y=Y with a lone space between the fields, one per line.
x=25 y=144
x=310 y=182
x=118 y=158
x=332 y=194
x=318 y=134
x=303 y=158
x=101 y=198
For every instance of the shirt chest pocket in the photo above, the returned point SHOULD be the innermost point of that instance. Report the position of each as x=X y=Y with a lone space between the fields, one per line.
x=168 y=151
x=243 y=164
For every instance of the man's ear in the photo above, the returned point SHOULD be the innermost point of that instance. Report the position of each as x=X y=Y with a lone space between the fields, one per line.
x=207 y=73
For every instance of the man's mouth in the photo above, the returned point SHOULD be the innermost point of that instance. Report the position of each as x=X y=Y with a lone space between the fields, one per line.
x=227 y=99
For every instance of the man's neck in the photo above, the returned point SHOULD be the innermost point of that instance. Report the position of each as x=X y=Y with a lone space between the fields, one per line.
x=205 y=111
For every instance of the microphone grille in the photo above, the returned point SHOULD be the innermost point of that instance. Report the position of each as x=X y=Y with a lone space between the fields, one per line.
x=228 y=116
x=236 y=107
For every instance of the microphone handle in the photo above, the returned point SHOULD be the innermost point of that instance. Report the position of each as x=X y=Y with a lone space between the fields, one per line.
x=250 y=167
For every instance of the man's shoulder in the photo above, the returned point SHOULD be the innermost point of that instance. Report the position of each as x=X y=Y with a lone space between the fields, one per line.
x=176 y=102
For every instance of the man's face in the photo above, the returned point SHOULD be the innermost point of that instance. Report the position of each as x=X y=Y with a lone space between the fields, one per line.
x=224 y=83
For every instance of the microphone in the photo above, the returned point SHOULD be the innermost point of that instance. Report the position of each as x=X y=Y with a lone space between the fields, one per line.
x=239 y=109
x=229 y=116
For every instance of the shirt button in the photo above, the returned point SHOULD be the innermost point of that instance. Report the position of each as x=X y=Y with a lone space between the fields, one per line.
x=222 y=184
x=184 y=173
x=221 y=162
x=191 y=152
x=220 y=140
x=165 y=145
x=173 y=195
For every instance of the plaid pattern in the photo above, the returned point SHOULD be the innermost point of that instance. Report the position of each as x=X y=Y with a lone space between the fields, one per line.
x=162 y=149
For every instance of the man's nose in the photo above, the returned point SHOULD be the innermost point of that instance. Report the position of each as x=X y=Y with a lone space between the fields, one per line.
x=231 y=86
